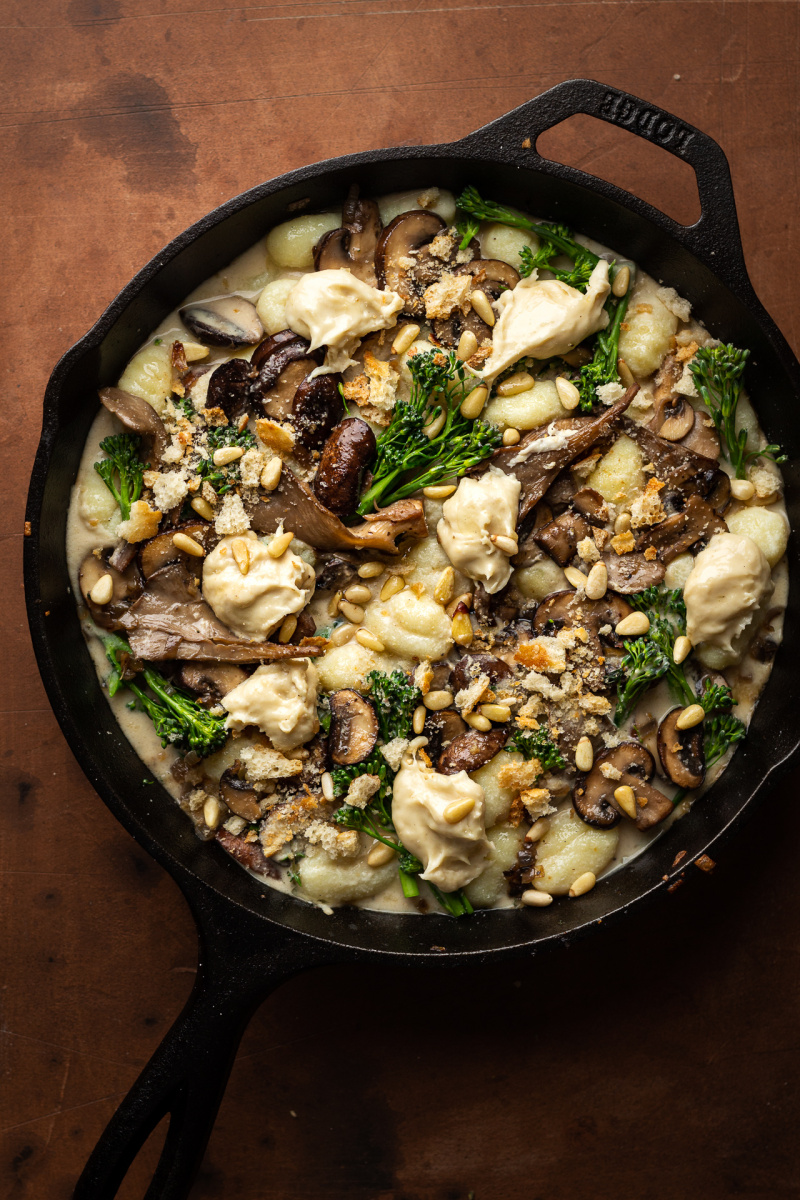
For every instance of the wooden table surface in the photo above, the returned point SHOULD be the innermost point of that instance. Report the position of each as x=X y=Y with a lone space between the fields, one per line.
x=662 y=1059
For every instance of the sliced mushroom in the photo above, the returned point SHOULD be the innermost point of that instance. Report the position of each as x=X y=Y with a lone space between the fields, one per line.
x=681 y=752
x=530 y=551
x=490 y=276
x=719 y=496
x=471 y=750
x=560 y=538
x=468 y=668
x=317 y=407
x=353 y=246
x=399 y=242
x=567 y=609
x=695 y=525
x=161 y=550
x=442 y=728
x=127 y=585
x=678 y=419
x=594 y=801
x=632 y=572
x=227 y=321
x=683 y=471
x=502 y=606
x=138 y=417
x=240 y=798
x=561 y=493
x=354 y=727
x=211 y=681
x=591 y=505
x=348 y=451
x=335 y=570
x=249 y=854
x=230 y=387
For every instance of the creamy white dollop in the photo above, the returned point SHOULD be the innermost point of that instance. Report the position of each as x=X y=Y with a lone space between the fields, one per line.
x=253 y=605
x=543 y=318
x=335 y=309
x=726 y=585
x=453 y=855
x=479 y=511
x=281 y=699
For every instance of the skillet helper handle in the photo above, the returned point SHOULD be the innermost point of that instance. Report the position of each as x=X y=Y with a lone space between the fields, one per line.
x=715 y=236
x=185 y=1078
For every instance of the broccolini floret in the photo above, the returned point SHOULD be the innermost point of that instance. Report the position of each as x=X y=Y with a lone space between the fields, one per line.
x=537 y=744
x=603 y=367
x=717 y=373
x=395 y=698
x=121 y=471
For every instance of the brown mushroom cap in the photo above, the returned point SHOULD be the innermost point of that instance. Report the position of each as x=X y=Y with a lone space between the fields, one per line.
x=489 y=276
x=632 y=572
x=567 y=609
x=161 y=550
x=211 y=681
x=560 y=537
x=227 y=321
x=138 y=417
x=681 y=752
x=401 y=239
x=354 y=727
x=353 y=246
x=441 y=729
x=471 y=750
x=317 y=407
x=348 y=451
x=240 y=798
x=468 y=668
x=230 y=387
x=594 y=800
x=127 y=586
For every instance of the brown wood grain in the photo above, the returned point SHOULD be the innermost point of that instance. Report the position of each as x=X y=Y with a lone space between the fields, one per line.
x=660 y=1059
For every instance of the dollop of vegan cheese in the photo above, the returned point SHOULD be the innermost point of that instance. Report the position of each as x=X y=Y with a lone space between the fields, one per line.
x=726 y=585
x=544 y=318
x=453 y=855
x=281 y=699
x=480 y=511
x=335 y=309
x=253 y=605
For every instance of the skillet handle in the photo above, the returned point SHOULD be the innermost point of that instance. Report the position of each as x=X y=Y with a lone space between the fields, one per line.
x=715 y=236
x=186 y=1078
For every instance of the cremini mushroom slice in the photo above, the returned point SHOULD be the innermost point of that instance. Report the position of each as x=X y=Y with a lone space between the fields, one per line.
x=138 y=417
x=627 y=764
x=348 y=452
x=471 y=750
x=226 y=321
x=488 y=276
x=396 y=261
x=239 y=796
x=681 y=752
x=354 y=727
x=126 y=586
x=352 y=246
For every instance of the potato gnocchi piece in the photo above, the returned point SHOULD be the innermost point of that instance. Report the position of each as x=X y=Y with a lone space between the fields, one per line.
x=291 y=244
x=528 y=409
x=648 y=330
x=618 y=476
x=569 y=849
x=497 y=799
x=541 y=579
x=678 y=571
x=271 y=304
x=766 y=527
x=410 y=625
x=98 y=508
x=504 y=243
x=490 y=885
x=149 y=375
x=399 y=202
x=348 y=666
x=342 y=880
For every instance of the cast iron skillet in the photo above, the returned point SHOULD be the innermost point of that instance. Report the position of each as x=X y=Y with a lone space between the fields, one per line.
x=253 y=938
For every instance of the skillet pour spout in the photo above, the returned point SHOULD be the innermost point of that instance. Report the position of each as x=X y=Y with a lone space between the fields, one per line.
x=251 y=937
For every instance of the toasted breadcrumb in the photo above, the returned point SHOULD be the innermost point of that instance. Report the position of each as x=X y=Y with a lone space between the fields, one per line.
x=393 y=752
x=361 y=790
x=587 y=550
x=337 y=843
x=646 y=509
x=263 y=764
x=169 y=490
x=519 y=775
x=609 y=771
x=251 y=464
x=468 y=697
x=447 y=293
x=623 y=543
x=142 y=523
x=231 y=517
x=537 y=802
x=679 y=307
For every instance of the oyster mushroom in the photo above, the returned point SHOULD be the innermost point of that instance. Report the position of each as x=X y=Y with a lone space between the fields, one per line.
x=127 y=585
x=561 y=536
x=400 y=241
x=489 y=276
x=352 y=246
x=632 y=572
x=442 y=728
x=591 y=505
x=471 y=750
x=227 y=321
x=695 y=525
x=632 y=765
x=348 y=451
x=566 y=609
x=681 y=752
x=240 y=798
x=138 y=417
x=161 y=550
x=211 y=681
x=468 y=668
x=354 y=727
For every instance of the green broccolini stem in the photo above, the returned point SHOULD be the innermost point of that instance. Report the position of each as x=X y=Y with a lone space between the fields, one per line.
x=717 y=373
x=470 y=201
x=121 y=471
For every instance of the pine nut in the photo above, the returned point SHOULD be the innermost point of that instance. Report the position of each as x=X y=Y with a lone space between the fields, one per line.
x=472 y=406
x=481 y=305
x=353 y=612
x=625 y=373
x=203 y=508
x=434 y=427
x=515 y=384
x=467 y=345
x=370 y=570
x=622 y=281
x=286 y=632
x=182 y=541
x=568 y=394
x=103 y=590
x=436 y=701
x=461 y=628
x=439 y=491
x=280 y=544
x=443 y=592
x=742 y=489
x=227 y=454
x=533 y=899
x=326 y=783
x=393 y=585
x=584 y=755
x=511 y=437
x=465 y=598
x=404 y=339
x=271 y=474
x=418 y=720
x=584 y=883
x=369 y=641
x=682 y=649
x=478 y=721
x=634 y=625
x=379 y=855
x=357 y=593
x=597 y=581
x=576 y=577
x=341 y=635
x=333 y=604
x=212 y=813
x=241 y=555
x=690 y=717
x=194 y=352
x=622 y=523
x=626 y=799
x=537 y=830
x=507 y=545
x=496 y=712
x=456 y=810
